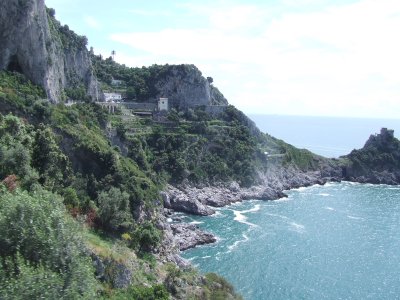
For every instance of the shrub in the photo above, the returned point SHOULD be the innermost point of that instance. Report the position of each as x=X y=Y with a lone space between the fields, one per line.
x=114 y=210
x=157 y=292
x=40 y=244
x=146 y=237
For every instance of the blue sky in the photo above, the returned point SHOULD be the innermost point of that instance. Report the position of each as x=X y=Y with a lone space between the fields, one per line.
x=296 y=57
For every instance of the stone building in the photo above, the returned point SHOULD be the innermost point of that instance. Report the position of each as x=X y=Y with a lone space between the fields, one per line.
x=163 y=104
x=112 y=97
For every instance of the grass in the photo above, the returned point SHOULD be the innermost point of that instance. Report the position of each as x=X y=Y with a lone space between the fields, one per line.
x=107 y=247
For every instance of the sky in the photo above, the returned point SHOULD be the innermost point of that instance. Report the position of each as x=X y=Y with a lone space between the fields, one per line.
x=287 y=57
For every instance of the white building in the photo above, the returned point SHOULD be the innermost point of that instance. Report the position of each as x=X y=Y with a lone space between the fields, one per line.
x=163 y=104
x=116 y=82
x=112 y=97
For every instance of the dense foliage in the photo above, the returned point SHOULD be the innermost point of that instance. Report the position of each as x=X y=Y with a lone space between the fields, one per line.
x=57 y=166
x=218 y=288
x=204 y=150
x=77 y=162
x=42 y=253
x=19 y=95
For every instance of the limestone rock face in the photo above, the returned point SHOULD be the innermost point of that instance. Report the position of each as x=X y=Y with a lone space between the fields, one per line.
x=185 y=87
x=29 y=46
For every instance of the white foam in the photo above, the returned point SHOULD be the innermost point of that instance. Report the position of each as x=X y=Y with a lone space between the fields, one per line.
x=196 y=222
x=235 y=244
x=254 y=209
x=330 y=208
x=241 y=218
x=279 y=216
x=324 y=194
x=192 y=258
x=285 y=199
x=207 y=256
x=178 y=213
x=300 y=189
x=236 y=203
x=217 y=214
x=169 y=220
x=351 y=182
x=297 y=227
x=215 y=208
x=355 y=218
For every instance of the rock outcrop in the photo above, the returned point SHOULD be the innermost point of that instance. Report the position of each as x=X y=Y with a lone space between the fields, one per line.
x=185 y=202
x=189 y=236
x=377 y=162
x=31 y=44
x=197 y=200
x=186 y=88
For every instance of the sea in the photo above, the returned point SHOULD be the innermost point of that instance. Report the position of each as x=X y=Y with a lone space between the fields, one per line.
x=337 y=241
x=326 y=136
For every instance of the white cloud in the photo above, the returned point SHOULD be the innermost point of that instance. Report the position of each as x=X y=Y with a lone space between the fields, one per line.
x=92 y=22
x=342 y=60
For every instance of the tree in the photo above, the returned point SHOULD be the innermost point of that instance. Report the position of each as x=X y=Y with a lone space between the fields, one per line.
x=51 y=12
x=146 y=236
x=210 y=80
x=48 y=159
x=114 y=210
x=130 y=93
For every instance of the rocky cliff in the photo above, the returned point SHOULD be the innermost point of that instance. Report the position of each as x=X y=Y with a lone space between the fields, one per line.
x=32 y=44
x=186 y=88
x=377 y=162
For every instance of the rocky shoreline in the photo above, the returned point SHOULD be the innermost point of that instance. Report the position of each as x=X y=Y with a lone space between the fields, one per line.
x=200 y=200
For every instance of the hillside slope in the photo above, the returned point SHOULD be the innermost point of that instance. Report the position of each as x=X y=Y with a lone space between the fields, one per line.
x=85 y=195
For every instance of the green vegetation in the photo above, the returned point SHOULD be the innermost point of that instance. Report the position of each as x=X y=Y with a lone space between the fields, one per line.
x=156 y=292
x=218 y=288
x=70 y=194
x=302 y=158
x=380 y=153
x=201 y=151
x=42 y=253
x=66 y=193
x=19 y=95
x=68 y=38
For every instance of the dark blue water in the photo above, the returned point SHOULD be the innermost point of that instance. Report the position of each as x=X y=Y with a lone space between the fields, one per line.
x=327 y=136
x=339 y=241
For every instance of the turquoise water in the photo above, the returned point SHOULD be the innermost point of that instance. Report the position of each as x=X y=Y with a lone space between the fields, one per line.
x=338 y=241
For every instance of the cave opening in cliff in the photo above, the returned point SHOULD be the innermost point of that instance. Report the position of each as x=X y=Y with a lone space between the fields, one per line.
x=13 y=65
x=344 y=172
